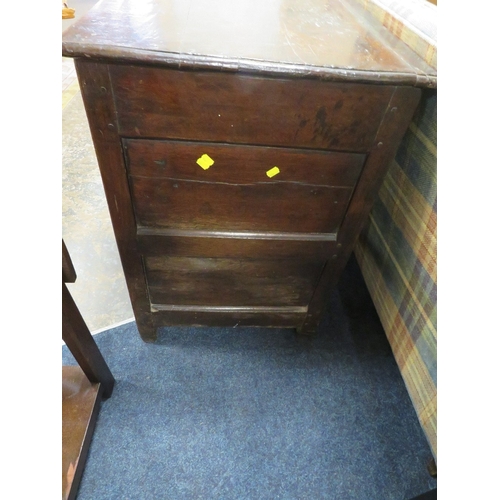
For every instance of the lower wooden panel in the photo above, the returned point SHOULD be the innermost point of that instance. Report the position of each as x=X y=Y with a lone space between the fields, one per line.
x=234 y=319
x=231 y=282
x=80 y=404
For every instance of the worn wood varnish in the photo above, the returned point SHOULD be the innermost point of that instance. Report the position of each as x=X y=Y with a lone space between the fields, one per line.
x=80 y=407
x=270 y=206
x=223 y=282
x=244 y=165
x=210 y=244
x=207 y=106
x=317 y=94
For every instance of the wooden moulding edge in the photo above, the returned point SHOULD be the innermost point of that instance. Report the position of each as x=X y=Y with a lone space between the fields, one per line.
x=233 y=309
x=245 y=235
x=117 y=54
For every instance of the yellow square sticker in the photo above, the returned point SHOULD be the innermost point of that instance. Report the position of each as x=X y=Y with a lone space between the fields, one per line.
x=205 y=162
x=274 y=171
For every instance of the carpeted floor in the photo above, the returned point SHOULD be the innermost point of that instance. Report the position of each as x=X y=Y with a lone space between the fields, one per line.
x=245 y=413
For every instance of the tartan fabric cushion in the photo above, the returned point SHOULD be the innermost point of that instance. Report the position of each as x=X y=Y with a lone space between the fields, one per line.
x=397 y=255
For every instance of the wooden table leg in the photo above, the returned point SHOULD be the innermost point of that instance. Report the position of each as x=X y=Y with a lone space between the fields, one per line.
x=80 y=342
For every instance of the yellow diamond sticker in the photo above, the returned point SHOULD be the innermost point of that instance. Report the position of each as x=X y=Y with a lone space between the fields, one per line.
x=274 y=171
x=205 y=162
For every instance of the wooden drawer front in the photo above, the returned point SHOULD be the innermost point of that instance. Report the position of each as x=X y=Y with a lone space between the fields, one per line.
x=241 y=164
x=170 y=190
x=232 y=108
x=207 y=282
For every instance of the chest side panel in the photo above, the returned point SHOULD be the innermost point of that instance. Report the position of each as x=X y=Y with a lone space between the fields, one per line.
x=236 y=108
x=227 y=242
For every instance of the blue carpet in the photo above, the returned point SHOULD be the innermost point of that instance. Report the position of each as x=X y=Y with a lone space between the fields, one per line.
x=246 y=413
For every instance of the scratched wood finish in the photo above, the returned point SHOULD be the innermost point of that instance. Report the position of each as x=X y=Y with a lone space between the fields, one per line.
x=235 y=164
x=399 y=113
x=207 y=106
x=267 y=207
x=231 y=282
x=319 y=89
x=292 y=38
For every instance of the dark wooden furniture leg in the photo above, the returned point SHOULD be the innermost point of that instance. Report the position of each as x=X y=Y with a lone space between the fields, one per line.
x=430 y=495
x=80 y=342
x=432 y=468
x=83 y=386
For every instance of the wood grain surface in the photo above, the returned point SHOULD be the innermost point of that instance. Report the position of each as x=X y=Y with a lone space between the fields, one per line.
x=333 y=39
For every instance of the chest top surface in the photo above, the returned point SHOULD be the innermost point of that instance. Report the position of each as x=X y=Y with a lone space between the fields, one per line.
x=332 y=39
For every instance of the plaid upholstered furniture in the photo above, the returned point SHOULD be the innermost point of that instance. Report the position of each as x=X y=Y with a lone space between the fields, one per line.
x=397 y=250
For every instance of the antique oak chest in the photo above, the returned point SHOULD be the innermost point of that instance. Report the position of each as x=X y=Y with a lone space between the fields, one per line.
x=241 y=146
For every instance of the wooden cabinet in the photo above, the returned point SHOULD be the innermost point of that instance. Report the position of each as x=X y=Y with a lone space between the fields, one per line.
x=238 y=177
